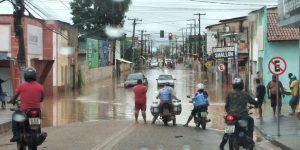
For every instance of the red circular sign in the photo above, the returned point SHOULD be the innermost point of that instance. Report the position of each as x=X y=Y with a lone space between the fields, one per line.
x=221 y=67
x=277 y=65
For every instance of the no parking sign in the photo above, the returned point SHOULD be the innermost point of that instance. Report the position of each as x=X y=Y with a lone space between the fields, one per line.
x=277 y=66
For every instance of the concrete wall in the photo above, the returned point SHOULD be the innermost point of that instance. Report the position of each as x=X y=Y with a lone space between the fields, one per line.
x=257 y=39
x=289 y=51
x=96 y=74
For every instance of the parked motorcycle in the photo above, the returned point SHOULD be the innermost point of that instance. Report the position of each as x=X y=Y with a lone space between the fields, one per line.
x=201 y=116
x=167 y=114
x=29 y=124
x=236 y=130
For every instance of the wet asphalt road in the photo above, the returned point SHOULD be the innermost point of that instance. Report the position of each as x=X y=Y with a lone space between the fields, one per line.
x=100 y=117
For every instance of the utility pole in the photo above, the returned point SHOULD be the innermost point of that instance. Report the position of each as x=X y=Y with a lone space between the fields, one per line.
x=18 y=14
x=191 y=46
x=176 y=47
x=142 y=41
x=200 y=51
x=133 y=34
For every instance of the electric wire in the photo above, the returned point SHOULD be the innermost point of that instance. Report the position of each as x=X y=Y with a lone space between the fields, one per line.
x=229 y=3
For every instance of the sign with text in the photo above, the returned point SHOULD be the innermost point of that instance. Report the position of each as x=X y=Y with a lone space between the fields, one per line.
x=223 y=52
x=289 y=13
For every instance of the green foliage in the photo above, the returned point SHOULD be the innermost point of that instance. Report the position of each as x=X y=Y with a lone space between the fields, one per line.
x=91 y=16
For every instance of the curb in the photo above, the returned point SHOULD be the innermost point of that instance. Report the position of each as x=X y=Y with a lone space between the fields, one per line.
x=272 y=139
x=5 y=127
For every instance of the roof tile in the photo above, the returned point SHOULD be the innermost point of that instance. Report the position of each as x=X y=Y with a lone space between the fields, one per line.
x=276 y=33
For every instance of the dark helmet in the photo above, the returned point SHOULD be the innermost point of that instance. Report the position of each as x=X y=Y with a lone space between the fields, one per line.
x=238 y=83
x=30 y=74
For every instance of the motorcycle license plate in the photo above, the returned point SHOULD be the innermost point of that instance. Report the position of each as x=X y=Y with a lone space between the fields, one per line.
x=229 y=128
x=203 y=114
x=34 y=121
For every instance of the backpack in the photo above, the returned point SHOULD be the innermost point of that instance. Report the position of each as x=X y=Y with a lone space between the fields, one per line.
x=200 y=100
x=164 y=94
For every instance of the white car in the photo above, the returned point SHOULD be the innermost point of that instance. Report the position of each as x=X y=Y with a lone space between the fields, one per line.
x=154 y=64
x=163 y=79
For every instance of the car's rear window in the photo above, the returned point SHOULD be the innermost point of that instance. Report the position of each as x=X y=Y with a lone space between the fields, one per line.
x=165 y=77
x=134 y=76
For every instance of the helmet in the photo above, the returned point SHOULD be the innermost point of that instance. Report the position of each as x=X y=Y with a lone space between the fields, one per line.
x=30 y=74
x=238 y=83
x=200 y=86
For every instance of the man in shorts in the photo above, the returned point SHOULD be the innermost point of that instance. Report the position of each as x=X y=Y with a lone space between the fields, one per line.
x=272 y=94
x=260 y=95
x=140 y=91
x=294 y=86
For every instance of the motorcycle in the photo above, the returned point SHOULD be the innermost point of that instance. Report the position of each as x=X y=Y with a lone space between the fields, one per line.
x=236 y=130
x=201 y=116
x=167 y=114
x=29 y=125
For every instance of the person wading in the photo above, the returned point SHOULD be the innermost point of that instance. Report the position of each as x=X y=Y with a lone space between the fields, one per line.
x=140 y=99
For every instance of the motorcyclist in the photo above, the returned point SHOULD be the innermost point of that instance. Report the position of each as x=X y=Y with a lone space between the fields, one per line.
x=236 y=105
x=31 y=94
x=200 y=101
x=165 y=94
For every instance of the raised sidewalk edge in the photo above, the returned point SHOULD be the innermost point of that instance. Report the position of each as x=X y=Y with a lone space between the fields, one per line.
x=272 y=140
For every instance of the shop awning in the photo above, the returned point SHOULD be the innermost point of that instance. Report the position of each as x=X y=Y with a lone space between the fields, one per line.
x=125 y=61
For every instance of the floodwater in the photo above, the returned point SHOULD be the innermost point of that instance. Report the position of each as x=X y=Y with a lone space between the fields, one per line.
x=109 y=99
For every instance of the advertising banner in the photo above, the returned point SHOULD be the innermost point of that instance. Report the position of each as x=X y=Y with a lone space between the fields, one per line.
x=35 y=40
x=103 y=53
x=92 y=53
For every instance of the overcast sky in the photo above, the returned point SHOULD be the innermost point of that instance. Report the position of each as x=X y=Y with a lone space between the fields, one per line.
x=156 y=15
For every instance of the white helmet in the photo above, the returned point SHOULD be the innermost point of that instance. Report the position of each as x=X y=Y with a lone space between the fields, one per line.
x=200 y=86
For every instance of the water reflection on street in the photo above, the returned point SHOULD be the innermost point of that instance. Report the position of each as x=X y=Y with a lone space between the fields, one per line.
x=102 y=100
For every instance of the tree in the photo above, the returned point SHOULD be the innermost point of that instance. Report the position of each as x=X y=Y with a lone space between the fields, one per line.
x=92 y=16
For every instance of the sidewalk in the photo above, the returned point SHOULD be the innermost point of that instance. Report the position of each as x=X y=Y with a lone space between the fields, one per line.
x=5 y=120
x=289 y=128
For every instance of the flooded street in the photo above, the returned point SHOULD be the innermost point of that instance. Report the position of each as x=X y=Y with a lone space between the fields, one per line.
x=103 y=101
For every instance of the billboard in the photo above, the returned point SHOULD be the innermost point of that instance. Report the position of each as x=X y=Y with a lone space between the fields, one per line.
x=289 y=13
x=92 y=52
x=35 y=40
x=103 y=53
x=5 y=38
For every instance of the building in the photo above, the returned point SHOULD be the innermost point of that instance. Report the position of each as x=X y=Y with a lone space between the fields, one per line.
x=50 y=47
x=230 y=33
x=268 y=40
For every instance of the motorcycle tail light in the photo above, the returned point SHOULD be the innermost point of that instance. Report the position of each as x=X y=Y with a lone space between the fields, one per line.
x=229 y=118
x=34 y=112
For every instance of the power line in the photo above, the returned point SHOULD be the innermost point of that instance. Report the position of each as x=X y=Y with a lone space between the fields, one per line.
x=229 y=3
x=63 y=4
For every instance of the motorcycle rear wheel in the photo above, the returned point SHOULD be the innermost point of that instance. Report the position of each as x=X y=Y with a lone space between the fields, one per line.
x=203 y=123
x=21 y=146
x=165 y=122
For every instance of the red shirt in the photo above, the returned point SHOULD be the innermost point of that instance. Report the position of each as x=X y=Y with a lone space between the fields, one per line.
x=30 y=95
x=140 y=94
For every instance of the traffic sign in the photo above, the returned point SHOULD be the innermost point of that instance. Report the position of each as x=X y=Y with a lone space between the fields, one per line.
x=277 y=65
x=221 y=67
x=208 y=64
